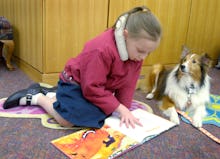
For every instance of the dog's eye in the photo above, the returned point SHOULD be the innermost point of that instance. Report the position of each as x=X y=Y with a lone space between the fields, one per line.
x=194 y=61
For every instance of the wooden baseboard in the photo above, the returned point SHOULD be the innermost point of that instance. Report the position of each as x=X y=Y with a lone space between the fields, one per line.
x=31 y=72
x=35 y=75
x=51 y=78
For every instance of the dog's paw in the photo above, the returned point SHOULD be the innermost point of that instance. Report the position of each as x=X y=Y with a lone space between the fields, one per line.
x=172 y=114
x=197 y=122
x=198 y=117
x=175 y=119
x=150 y=96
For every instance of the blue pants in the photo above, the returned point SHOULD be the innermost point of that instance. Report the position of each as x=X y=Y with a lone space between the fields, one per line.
x=73 y=107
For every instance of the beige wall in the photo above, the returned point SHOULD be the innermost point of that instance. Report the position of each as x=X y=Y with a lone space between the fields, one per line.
x=68 y=25
x=204 y=31
x=174 y=28
x=48 y=32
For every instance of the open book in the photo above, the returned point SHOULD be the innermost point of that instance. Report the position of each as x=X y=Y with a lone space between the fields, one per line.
x=112 y=140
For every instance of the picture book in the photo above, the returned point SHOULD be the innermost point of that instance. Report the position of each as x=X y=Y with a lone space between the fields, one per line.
x=112 y=139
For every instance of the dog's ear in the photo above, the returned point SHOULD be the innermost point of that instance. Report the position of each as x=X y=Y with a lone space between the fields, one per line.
x=206 y=60
x=185 y=51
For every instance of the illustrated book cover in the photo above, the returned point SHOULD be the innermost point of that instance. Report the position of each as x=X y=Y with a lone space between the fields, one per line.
x=112 y=140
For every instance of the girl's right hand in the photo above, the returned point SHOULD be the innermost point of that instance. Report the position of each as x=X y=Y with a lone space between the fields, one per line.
x=127 y=117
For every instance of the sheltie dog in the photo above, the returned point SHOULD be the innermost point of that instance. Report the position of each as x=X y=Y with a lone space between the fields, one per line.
x=184 y=87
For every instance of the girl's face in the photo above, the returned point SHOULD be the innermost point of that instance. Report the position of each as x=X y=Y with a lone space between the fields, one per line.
x=139 y=48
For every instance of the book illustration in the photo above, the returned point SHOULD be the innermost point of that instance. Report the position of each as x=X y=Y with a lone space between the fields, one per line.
x=93 y=143
x=112 y=140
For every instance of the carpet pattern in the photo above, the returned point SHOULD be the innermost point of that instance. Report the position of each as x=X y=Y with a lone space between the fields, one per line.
x=28 y=139
x=47 y=120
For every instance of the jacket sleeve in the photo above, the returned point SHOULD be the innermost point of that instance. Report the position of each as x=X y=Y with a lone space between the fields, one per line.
x=95 y=68
x=125 y=94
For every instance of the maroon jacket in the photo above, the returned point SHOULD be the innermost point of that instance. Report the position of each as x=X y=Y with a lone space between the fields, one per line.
x=105 y=80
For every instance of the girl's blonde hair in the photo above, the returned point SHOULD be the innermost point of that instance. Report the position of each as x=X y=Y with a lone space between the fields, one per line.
x=142 y=19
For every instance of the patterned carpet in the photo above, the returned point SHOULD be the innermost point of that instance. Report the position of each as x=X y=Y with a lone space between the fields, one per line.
x=28 y=139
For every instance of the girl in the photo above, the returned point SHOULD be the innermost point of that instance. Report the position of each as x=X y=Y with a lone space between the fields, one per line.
x=102 y=78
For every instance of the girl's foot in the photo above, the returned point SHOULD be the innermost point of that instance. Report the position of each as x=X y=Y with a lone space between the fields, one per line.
x=27 y=96
x=14 y=99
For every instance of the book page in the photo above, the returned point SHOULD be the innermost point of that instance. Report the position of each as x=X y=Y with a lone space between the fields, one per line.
x=111 y=140
x=152 y=125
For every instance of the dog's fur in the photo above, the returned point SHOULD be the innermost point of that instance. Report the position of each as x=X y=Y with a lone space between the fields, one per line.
x=184 y=87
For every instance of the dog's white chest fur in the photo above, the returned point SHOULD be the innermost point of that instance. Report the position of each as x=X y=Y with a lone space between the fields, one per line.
x=181 y=93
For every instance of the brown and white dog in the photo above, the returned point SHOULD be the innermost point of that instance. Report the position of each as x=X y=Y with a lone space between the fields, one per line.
x=184 y=87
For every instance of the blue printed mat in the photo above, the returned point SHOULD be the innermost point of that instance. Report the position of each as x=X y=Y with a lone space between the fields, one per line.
x=213 y=111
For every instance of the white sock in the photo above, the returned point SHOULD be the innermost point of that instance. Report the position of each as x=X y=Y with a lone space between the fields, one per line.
x=23 y=100
x=51 y=94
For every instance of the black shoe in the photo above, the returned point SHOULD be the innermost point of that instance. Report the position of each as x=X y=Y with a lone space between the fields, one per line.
x=45 y=90
x=13 y=100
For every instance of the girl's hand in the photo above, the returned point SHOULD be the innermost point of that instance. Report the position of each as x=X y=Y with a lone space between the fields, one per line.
x=126 y=117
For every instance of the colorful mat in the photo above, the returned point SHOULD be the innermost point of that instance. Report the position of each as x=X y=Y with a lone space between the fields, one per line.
x=46 y=119
x=213 y=111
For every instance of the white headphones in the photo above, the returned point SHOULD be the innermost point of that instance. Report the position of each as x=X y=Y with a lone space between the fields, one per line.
x=119 y=37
